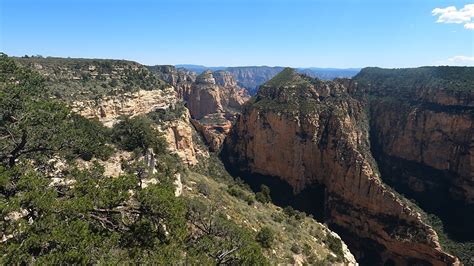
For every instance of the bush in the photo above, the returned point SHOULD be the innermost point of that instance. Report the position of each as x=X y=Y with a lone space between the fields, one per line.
x=278 y=217
x=90 y=138
x=295 y=248
x=307 y=249
x=335 y=245
x=237 y=192
x=169 y=114
x=137 y=134
x=265 y=237
x=264 y=195
x=204 y=189
x=288 y=210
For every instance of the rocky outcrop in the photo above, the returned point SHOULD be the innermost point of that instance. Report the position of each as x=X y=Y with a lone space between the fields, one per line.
x=74 y=79
x=438 y=140
x=213 y=99
x=180 y=79
x=251 y=77
x=109 y=109
x=178 y=132
x=214 y=133
x=213 y=103
x=305 y=132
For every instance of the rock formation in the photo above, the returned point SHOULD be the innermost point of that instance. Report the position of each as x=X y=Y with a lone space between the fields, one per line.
x=306 y=131
x=422 y=137
x=110 y=108
x=252 y=77
x=180 y=79
x=213 y=103
x=86 y=79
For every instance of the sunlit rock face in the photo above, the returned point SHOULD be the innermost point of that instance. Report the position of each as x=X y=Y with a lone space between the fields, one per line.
x=307 y=131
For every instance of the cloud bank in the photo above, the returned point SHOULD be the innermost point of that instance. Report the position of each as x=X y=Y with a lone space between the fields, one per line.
x=451 y=14
x=459 y=60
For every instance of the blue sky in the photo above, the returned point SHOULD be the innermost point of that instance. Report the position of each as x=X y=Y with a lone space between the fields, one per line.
x=296 y=33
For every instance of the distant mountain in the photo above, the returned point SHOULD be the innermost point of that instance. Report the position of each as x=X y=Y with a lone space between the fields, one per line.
x=329 y=73
x=199 y=68
x=251 y=77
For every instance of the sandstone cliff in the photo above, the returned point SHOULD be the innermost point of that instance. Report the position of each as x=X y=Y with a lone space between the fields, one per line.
x=108 y=89
x=306 y=131
x=177 y=132
x=213 y=103
x=422 y=137
x=180 y=79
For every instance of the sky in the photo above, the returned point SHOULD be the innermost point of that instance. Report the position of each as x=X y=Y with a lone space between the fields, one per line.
x=295 y=33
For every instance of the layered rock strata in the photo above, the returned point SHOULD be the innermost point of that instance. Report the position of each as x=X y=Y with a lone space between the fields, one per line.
x=306 y=131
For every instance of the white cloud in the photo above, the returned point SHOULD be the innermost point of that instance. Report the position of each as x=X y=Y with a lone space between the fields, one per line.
x=451 y=14
x=469 y=26
x=459 y=60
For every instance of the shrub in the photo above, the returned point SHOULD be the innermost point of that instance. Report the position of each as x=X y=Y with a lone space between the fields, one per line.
x=264 y=195
x=265 y=237
x=137 y=134
x=335 y=245
x=237 y=192
x=278 y=217
x=307 y=249
x=288 y=210
x=204 y=189
x=295 y=248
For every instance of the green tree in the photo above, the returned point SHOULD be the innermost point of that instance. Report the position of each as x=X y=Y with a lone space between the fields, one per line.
x=137 y=133
x=98 y=218
x=219 y=240
x=36 y=128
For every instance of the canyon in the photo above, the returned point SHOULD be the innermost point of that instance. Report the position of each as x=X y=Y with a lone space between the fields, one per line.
x=348 y=151
x=351 y=136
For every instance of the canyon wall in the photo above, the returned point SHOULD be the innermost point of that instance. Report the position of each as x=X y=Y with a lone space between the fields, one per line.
x=422 y=138
x=305 y=132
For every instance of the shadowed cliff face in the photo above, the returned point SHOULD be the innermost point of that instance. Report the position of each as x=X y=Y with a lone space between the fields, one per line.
x=422 y=138
x=309 y=132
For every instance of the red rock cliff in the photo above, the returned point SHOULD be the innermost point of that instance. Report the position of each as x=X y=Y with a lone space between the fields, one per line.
x=306 y=131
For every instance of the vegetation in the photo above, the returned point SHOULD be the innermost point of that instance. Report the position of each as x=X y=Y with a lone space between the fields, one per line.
x=287 y=77
x=74 y=216
x=240 y=193
x=77 y=215
x=87 y=79
x=137 y=133
x=334 y=244
x=163 y=115
x=264 y=195
x=406 y=80
x=265 y=237
x=220 y=239
x=35 y=128
x=292 y=213
x=56 y=209
x=462 y=250
x=231 y=197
